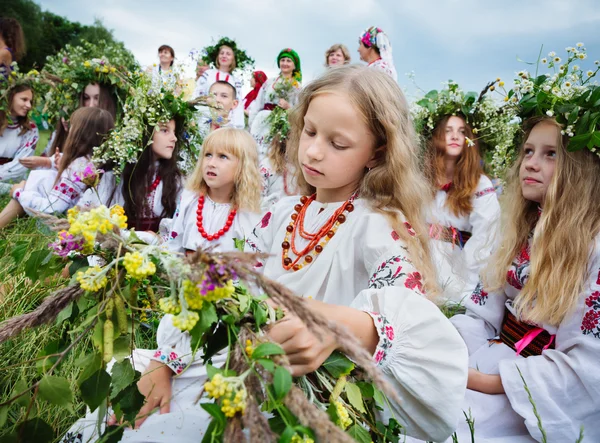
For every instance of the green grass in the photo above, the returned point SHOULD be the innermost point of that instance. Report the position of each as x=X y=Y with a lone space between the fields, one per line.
x=19 y=295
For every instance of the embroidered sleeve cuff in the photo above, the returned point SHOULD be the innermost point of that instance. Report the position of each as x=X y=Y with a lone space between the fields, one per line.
x=169 y=358
x=385 y=331
x=17 y=193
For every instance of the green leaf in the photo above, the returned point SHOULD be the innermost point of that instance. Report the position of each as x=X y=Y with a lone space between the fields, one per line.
x=90 y=364
x=214 y=432
x=266 y=349
x=359 y=434
x=244 y=302
x=65 y=314
x=121 y=347
x=3 y=415
x=260 y=315
x=130 y=401
x=45 y=364
x=337 y=364
x=579 y=142
x=267 y=364
x=21 y=386
x=19 y=251
x=112 y=434
x=33 y=265
x=208 y=317
x=55 y=390
x=355 y=397
x=379 y=398
x=282 y=382
x=123 y=375
x=366 y=389
x=239 y=244
x=95 y=389
x=214 y=411
x=287 y=435
x=36 y=430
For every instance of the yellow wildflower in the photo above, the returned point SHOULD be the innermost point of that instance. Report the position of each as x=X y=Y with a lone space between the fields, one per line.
x=344 y=418
x=186 y=320
x=105 y=70
x=87 y=64
x=93 y=279
x=137 y=265
x=249 y=348
x=501 y=84
x=192 y=295
x=113 y=69
x=169 y=305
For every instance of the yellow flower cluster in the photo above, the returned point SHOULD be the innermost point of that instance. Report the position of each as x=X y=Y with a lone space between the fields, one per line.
x=186 y=320
x=98 y=220
x=304 y=439
x=92 y=279
x=344 y=418
x=220 y=293
x=138 y=266
x=169 y=305
x=249 y=348
x=192 y=295
x=232 y=403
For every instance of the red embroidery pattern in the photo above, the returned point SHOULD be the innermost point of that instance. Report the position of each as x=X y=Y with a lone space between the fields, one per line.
x=484 y=192
x=479 y=296
x=171 y=359
x=66 y=191
x=591 y=319
x=386 y=334
x=518 y=273
x=413 y=281
x=265 y=220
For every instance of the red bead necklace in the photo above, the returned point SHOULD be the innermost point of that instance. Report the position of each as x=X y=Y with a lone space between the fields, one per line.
x=220 y=232
x=317 y=240
x=154 y=185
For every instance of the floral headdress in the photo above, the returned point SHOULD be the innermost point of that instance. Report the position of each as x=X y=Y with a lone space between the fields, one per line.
x=290 y=53
x=146 y=107
x=74 y=67
x=242 y=60
x=494 y=126
x=369 y=37
x=375 y=36
x=567 y=94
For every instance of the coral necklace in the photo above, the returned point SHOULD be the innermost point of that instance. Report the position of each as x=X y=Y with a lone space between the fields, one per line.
x=154 y=185
x=317 y=240
x=220 y=232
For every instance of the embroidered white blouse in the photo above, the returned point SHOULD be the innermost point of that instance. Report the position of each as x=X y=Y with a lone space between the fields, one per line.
x=16 y=146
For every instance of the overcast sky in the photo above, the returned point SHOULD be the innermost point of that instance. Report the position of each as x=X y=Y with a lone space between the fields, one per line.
x=469 y=41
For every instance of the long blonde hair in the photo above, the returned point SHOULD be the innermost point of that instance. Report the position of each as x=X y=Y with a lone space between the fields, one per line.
x=395 y=184
x=239 y=143
x=562 y=237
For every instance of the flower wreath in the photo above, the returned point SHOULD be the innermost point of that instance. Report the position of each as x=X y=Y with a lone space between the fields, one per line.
x=493 y=125
x=74 y=67
x=147 y=106
x=242 y=60
x=16 y=78
x=567 y=94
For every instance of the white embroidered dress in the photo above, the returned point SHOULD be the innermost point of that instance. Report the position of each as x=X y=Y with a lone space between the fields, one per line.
x=212 y=76
x=564 y=381
x=458 y=269
x=42 y=194
x=275 y=186
x=261 y=108
x=384 y=66
x=13 y=147
x=364 y=266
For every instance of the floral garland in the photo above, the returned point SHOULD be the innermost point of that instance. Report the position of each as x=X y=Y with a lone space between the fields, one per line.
x=493 y=125
x=242 y=60
x=74 y=67
x=567 y=93
x=16 y=78
x=146 y=107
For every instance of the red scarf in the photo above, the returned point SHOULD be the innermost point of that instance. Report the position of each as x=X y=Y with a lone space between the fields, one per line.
x=260 y=78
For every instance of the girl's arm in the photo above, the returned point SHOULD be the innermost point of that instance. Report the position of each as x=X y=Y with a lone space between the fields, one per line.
x=63 y=195
x=258 y=104
x=14 y=169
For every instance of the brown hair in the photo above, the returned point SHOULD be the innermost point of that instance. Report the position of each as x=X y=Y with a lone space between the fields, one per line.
x=168 y=48
x=563 y=234
x=233 y=63
x=12 y=34
x=468 y=169
x=89 y=128
x=24 y=122
x=336 y=47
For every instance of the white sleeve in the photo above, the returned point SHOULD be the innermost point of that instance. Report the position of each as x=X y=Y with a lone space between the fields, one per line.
x=174 y=346
x=258 y=104
x=484 y=219
x=63 y=195
x=14 y=170
x=419 y=350
x=202 y=85
x=177 y=228
x=564 y=382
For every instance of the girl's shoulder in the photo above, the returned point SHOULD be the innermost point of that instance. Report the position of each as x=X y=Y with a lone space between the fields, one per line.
x=484 y=187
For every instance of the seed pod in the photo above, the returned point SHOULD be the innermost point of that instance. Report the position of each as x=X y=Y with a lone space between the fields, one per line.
x=109 y=336
x=150 y=293
x=121 y=314
x=109 y=308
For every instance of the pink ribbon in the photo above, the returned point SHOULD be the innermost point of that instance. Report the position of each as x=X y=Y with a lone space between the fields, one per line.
x=529 y=337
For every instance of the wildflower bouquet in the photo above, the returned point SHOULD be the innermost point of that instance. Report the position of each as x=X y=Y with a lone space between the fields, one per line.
x=112 y=267
x=279 y=126
x=493 y=125
x=568 y=93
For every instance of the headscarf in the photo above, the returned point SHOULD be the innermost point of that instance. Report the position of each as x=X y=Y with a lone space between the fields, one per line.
x=375 y=36
x=260 y=78
x=290 y=53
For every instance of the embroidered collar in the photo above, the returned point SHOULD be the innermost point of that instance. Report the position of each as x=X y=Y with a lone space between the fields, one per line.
x=446 y=187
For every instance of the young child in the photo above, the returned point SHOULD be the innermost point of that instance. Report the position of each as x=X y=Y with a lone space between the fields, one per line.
x=55 y=191
x=466 y=209
x=18 y=135
x=541 y=296
x=149 y=189
x=221 y=201
x=226 y=95
x=366 y=267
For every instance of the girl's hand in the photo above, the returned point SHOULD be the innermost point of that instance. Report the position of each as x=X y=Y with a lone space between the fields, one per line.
x=35 y=162
x=155 y=385
x=305 y=350
x=284 y=104
x=485 y=383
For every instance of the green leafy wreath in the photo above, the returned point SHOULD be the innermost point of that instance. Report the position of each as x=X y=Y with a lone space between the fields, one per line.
x=242 y=60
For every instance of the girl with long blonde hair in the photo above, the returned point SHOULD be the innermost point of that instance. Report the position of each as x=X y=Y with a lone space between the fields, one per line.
x=465 y=209
x=540 y=294
x=222 y=197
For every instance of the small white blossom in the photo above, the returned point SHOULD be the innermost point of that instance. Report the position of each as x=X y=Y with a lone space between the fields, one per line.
x=549 y=113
